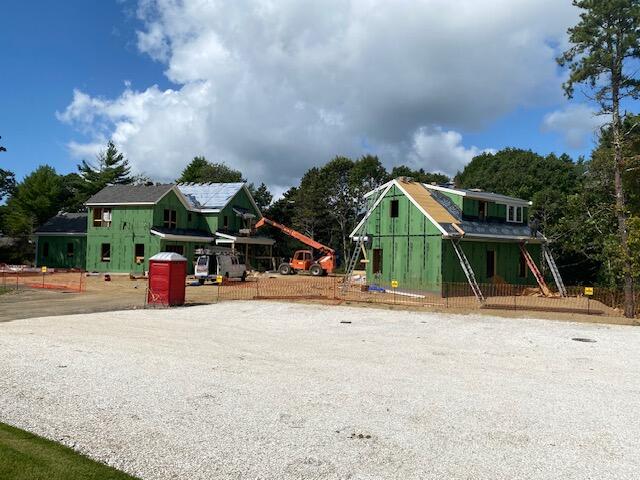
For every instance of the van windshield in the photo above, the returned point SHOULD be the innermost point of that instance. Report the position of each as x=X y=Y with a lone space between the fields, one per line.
x=202 y=261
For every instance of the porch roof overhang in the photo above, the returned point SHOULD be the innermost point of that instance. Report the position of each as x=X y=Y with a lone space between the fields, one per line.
x=225 y=238
x=182 y=235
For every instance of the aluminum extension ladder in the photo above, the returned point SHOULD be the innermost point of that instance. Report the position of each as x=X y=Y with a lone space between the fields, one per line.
x=546 y=253
x=534 y=269
x=361 y=240
x=468 y=271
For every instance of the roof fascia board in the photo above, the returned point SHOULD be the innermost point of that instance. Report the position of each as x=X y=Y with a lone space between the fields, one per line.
x=243 y=187
x=518 y=202
x=373 y=207
x=180 y=196
x=253 y=202
x=424 y=212
x=445 y=189
x=380 y=187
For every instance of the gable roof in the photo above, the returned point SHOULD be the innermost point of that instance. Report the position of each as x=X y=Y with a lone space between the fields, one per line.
x=64 y=223
x=130 y=195
x=197 y=197
x=446 y=215
x=212 y=197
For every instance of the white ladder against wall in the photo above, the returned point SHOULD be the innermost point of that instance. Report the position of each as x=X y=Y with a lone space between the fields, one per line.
x=361 y=238
x=546 y=253
x=468 y=271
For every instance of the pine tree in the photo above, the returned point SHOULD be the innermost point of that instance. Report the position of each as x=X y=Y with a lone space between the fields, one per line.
x=604 y=45
x=111 y=168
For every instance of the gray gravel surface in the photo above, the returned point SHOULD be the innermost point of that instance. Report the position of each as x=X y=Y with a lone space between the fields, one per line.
x=258 y=390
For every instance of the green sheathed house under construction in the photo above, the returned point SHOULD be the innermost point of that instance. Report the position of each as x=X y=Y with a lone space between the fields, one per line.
x=424 y=236
x=127 y=224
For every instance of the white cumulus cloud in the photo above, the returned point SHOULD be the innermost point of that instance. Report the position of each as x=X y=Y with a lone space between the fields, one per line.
x=274 y=87
x=442 y=150
x=577 y=123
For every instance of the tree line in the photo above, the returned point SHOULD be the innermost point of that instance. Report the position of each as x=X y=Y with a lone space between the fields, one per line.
x=573 y=200
x=588 y=208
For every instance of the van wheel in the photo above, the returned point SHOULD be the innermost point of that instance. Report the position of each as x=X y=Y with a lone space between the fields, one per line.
x=244 y=277
x=201 y=281
x=316 y=270
x=284 y=269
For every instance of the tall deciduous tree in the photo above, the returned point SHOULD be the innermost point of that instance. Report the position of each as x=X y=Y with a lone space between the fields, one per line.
x=311 y=209
x=550 y=182
x=37 y=198
x=603 y=44
x=340 y=199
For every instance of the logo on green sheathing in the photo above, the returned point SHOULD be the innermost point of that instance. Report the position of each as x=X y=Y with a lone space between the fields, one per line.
x=394 y=283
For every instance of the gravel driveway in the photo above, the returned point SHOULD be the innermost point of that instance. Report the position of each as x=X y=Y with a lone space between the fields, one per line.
x=258 y=390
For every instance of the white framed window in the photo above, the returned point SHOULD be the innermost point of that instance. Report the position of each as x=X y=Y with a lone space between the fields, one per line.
x=514 y=214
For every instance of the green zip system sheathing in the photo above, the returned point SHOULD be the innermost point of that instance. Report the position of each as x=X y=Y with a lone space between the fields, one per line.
x=507 y=263
x=63 y=251
x=409 y=245
x=410 y=249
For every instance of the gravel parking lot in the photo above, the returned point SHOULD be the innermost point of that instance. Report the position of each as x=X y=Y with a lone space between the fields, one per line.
x=259 y=390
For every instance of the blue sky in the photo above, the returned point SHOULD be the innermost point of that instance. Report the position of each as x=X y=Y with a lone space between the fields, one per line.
x=277 y=106
x=68 y=44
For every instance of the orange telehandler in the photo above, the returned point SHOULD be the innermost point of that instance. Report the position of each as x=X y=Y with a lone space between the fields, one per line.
x=303 y=260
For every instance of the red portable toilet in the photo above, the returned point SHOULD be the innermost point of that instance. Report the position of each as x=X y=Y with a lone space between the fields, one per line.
x=167 y=279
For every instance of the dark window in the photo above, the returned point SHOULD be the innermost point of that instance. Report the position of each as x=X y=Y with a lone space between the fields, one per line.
x=395 y=205
x=45 y=249
x=101 y=217
x=522 y=267
x=482 y=210
x=189 y=217
x=377 y=260
x=69 y=249
x=105 y=252
x=514 y=214
x=139 y=252
x=225 y=222
x=170 y=218
x=491 y=263
x=175 y=249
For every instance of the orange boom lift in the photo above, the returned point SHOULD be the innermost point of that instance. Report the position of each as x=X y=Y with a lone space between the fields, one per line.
x=304 y=260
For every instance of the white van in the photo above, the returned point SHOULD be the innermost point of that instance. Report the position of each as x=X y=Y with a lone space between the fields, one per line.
x=209 y=266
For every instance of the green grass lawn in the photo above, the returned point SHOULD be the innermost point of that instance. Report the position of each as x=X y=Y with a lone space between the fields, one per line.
x=24 y=456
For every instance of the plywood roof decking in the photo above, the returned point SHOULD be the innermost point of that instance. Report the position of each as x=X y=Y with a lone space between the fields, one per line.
x=423 y=198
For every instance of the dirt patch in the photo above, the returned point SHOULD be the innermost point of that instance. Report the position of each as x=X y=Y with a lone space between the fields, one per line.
x=124 y=293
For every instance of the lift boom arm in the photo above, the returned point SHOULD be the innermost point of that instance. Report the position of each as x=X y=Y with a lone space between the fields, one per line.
x=301 y=237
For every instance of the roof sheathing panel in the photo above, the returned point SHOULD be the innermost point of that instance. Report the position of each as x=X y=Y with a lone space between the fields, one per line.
x=423 y=198
x=209 y=195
